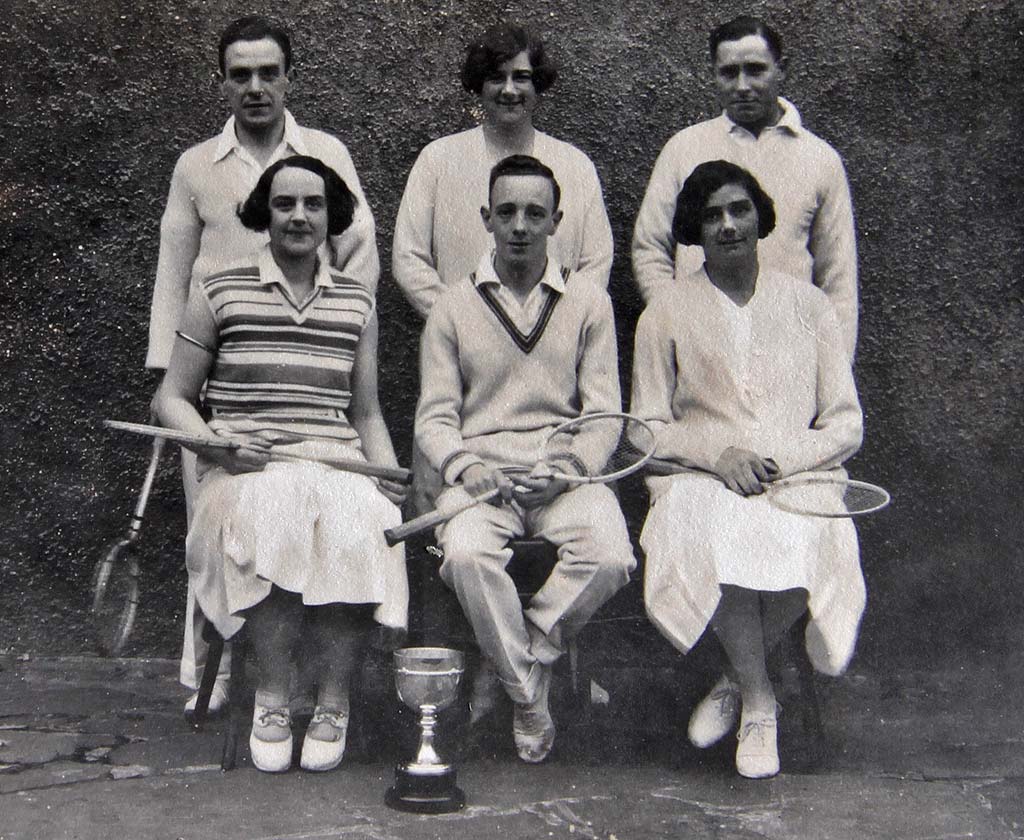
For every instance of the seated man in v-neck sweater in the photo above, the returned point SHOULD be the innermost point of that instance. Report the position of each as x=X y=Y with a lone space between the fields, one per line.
x=507 y=354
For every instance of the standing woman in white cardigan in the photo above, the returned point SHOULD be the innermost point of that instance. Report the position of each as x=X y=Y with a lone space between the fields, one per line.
x=438 y=236
x=743 y=374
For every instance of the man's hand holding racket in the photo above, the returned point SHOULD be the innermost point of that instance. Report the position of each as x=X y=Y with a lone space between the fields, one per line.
x=528 y=490
x=539 y=487
x=622 y=442
x=479 y=480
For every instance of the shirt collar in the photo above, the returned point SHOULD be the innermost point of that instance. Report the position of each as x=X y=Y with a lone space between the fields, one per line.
x=270 y=272
x=228 y=140
x=485 y=274
x=789 y=121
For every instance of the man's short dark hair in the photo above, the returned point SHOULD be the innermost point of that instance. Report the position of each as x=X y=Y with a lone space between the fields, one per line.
x=741 y=27
x=706 y=180
x=524 y=165
x=255 y=212
x=500 y=43
x=254 y=28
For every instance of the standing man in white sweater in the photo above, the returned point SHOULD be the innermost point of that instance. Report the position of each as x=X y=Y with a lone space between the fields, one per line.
x=510 y=351
x=760 y=131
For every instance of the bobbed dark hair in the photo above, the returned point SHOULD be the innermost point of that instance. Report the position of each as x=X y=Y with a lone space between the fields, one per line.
x=706 y=180
x=498 y=44
x=254 y=28
x=741 y=27
x=254 y=213
x=524 y=165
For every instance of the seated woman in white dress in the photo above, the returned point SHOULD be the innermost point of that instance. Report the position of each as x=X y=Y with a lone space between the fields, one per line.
x=743 y=375
x=287 y=348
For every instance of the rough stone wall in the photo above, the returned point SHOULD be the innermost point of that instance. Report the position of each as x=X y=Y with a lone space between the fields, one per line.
x=920 y=98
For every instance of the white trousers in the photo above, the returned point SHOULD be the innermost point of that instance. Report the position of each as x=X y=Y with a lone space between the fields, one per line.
x=595 y=558
x=194 y=648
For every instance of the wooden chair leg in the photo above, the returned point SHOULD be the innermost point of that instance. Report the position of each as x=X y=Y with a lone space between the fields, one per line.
x=810 y=708
x=236 y=701
x=215 y=650
x=574 y=669
x=579 y=682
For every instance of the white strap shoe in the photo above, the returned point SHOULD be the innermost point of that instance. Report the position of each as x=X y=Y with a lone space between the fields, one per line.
x=324 y=744
x=270 y=743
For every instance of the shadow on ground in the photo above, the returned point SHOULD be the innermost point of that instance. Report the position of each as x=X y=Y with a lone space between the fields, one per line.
x=94 y=748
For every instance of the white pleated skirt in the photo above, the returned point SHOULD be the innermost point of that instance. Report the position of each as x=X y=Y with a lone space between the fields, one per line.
x=700 y=535
x=304 y=527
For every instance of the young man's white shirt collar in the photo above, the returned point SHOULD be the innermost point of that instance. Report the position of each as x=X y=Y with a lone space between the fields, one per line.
x=291 y=141
x=524 y=315
x=789 y=122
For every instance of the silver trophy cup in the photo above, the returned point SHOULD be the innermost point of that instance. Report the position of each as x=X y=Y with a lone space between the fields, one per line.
x=427 y=679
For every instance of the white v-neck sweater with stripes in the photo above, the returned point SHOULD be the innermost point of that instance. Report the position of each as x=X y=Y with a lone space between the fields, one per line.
x=485 y=400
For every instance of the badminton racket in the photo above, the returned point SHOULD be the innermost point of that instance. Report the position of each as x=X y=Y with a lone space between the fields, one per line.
x=115 y=587
x=619 y=444
x=186 y=439
x=814 y=494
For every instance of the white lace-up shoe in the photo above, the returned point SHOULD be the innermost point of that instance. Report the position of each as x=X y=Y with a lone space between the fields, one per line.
x=757 y=754
x=532 y=727
x=715 y=715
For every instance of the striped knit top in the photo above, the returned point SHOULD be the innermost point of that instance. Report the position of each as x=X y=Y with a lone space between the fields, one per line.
x=280 y=364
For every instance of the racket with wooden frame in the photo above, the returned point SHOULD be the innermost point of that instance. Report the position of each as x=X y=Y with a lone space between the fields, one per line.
x=628 y=440
x=115 y=583
x=353 y=465
x=814 y=494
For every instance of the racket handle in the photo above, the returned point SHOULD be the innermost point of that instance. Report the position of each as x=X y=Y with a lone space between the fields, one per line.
x=147 y=484
x=398 y=474
x=659 y=466
x=434 y=518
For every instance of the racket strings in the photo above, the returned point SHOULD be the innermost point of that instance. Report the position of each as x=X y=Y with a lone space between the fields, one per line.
x=828 y=497
x=634 y=445
x=601 y=446
x=115 y=598
x=861 y=498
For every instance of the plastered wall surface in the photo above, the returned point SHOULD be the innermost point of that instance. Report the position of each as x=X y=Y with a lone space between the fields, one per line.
x=922 y=99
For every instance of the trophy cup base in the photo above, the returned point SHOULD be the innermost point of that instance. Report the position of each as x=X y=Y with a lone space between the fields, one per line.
x=419 y=794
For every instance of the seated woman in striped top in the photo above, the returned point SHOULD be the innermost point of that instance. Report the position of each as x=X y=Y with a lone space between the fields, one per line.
x=288 y=349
